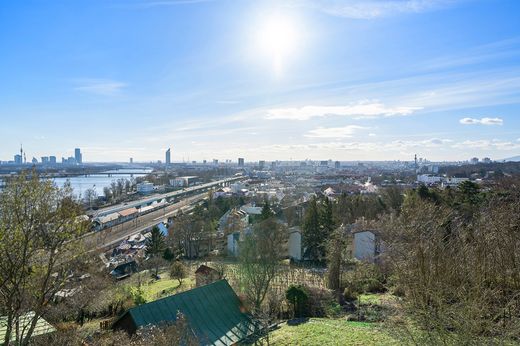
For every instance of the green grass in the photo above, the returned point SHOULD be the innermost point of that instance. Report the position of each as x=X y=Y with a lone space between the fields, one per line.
x=165 y=286
x=322 y=331
x=370 y=298
x=156 y=289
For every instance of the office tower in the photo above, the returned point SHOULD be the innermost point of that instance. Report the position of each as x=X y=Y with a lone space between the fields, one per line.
x=241 y=161
x=18 y=159
x=131 y=160
x=45 y=160
x=52 y=160
x=168 y=157
x=78 y=156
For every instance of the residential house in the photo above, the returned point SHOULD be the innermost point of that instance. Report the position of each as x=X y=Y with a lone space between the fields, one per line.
x=367 y=245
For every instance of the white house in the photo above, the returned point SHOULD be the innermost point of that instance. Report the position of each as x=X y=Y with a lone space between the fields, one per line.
x=453 y=181
x=428 y=179
x=367 y=245
x=294 y=245
x=145 y=187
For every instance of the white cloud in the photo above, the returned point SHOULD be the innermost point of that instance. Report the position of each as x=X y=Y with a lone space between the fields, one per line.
x=356 y=110
x=482 y=121
x=485 y=144
x=105 y=87
x=334 y=132
x=370 y=9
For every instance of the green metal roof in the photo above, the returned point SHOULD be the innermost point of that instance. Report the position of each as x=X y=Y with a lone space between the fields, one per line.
x=42 y=326
x=213 y=312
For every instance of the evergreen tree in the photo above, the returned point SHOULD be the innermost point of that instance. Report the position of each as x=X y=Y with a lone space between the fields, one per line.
x=327 y=221
x=312 y=234
x=155 y=247
x=266 y=211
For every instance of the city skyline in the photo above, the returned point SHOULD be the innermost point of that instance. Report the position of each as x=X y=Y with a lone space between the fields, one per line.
x=352 y=80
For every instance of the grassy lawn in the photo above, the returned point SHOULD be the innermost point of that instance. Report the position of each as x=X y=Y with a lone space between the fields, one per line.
x=322 y=331
x=156 y=289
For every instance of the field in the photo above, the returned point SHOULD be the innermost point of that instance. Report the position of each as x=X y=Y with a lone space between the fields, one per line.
x=321 y=331
x=165 y=286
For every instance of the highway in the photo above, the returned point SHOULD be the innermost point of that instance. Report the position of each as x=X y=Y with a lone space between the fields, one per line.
x=150 y=199
x=110 y=237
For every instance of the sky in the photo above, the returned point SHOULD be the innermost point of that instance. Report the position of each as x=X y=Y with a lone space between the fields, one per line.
x=264 y=80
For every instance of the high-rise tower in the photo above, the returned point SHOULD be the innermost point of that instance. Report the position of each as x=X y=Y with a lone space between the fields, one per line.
x=168 y=157
x=78 y=156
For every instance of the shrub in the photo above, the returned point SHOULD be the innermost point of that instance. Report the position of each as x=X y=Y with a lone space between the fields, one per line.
x=178 y=271
x=298 y=297
x=321 y=302
x=350 y=294
x=364 y=278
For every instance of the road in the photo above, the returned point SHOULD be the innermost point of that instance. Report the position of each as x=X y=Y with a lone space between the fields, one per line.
x=110 y=237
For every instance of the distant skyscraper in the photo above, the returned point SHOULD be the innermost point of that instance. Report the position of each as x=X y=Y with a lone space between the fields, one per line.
x=241 y=161
x=45 y=160
x=18 y=159
x=261 y=164
x=168 y=157
x=337 y=165
x=131 y=160
x=78 y=156
x=52 y=160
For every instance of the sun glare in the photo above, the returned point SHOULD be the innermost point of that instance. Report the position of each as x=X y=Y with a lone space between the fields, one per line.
x=278 y=39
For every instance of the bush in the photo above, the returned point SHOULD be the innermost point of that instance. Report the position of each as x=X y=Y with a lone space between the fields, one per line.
x=178 y=271
x=350 y=294
x=321 y=302
x=297 y=296
x=168 y=254
x=364 y=278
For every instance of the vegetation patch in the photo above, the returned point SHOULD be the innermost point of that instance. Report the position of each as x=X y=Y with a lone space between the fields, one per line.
x=320 y=331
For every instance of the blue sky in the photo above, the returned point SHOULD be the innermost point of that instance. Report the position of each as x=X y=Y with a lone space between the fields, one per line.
x=321 y=79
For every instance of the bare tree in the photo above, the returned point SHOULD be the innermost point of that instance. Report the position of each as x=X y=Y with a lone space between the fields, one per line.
x=260 y=253
x=38 y=225
x=459 y=272
x=90 y=196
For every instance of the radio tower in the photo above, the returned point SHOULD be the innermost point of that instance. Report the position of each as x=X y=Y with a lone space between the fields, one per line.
x=21 y=153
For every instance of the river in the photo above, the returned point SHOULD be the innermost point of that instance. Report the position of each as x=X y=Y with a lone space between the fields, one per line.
x=98 y=181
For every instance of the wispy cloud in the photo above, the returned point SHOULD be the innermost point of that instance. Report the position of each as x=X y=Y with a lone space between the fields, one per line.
x=485 y=144
x=482 y=121
x=493 y=51
x=334 y=132
x=357 y=110
x=370 y=9
x=104 y=87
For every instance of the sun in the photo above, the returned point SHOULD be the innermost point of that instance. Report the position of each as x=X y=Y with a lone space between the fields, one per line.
x=277 y=39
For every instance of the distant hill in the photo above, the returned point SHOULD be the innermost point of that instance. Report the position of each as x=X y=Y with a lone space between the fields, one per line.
x=514 y=159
